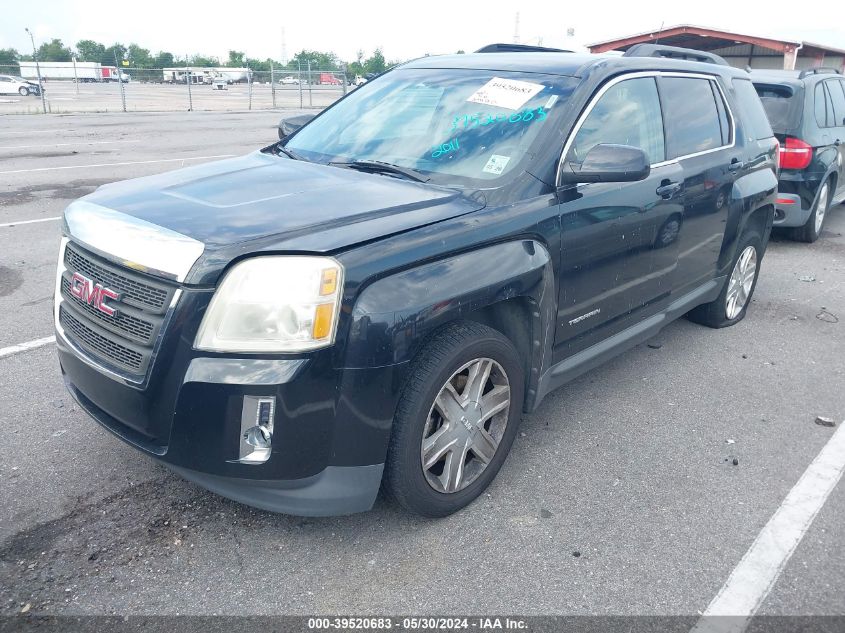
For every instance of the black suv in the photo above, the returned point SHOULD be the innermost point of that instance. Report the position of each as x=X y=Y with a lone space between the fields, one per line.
x=807 y=112
x=376 y=299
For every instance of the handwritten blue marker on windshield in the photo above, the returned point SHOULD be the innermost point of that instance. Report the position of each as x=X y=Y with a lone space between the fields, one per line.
x=446 y=148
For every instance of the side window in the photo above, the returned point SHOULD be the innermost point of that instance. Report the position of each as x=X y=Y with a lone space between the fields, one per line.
x=627 y=114
x=692 y=120
x=723 y=114
x=837 y=98
x=821 y=105
x=751 y=108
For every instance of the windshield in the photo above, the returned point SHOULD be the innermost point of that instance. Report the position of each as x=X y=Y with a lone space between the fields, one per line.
x=457 y=126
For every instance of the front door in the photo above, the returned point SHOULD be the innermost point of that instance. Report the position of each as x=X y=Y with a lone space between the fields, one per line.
x=617 y=249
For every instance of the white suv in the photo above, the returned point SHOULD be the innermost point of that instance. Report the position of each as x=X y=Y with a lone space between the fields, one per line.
x=10 y=84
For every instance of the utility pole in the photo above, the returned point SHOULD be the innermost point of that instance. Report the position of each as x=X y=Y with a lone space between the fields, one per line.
x=38 y=70
x=75 y=76
x=188 y=81
x=310 y=98
x=120 y=80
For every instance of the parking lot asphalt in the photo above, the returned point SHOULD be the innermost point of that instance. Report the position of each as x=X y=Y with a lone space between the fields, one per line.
x=620 y=496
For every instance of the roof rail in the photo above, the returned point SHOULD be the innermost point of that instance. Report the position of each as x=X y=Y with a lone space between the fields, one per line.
x=674 y=52
x=817 y=71
x=518 y=48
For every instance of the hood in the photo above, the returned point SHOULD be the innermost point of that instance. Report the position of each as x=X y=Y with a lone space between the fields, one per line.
x=275 y=203
x=295 y=204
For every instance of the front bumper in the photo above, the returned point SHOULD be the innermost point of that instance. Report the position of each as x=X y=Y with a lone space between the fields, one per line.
x=332 y=425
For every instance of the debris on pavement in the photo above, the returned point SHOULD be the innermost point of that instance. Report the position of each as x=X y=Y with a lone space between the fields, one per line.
x=823 y=421
x=807 y=278
x=827 y=317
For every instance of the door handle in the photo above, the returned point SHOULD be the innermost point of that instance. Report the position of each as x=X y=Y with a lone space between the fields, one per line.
x=667 y=189
x=735 y=165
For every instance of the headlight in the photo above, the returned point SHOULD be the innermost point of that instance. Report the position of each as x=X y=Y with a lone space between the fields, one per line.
x=274 y=304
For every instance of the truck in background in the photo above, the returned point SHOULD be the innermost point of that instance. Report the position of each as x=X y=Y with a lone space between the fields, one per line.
x=84 y=72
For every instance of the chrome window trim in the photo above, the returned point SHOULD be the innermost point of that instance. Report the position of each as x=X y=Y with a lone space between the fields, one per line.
x=650 y=73
x=132 y=242
x=63 y=340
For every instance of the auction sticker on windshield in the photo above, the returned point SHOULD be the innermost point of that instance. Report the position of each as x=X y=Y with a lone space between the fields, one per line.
x=505 y=93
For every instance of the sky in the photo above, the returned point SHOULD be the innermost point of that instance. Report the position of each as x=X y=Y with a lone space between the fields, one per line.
x=404 y=30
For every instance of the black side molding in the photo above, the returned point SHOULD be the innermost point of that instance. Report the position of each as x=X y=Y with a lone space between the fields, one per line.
x=674 y=52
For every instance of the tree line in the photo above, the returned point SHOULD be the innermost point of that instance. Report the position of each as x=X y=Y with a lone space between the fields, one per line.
x=138 y=57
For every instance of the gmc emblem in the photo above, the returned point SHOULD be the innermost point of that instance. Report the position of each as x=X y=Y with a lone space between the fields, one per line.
x=93 y=294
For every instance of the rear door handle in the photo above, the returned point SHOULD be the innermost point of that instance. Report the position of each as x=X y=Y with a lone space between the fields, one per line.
x=667 y=189
x=735 y=165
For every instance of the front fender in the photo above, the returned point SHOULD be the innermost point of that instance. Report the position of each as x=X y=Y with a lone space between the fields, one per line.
x=393 y=316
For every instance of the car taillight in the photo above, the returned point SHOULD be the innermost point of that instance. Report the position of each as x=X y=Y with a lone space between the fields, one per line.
x=795 y=154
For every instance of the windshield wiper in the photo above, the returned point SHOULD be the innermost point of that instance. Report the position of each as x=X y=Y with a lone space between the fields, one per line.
x=381 y=166
x=284 y=150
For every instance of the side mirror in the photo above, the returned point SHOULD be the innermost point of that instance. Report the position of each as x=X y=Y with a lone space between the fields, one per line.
x=608 y=163
x=291 y=124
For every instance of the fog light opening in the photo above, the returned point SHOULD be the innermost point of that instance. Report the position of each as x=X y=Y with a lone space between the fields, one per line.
x=256 y=432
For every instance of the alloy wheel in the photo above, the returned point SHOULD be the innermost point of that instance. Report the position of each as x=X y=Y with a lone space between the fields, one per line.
x=821 y=207
x=465 y=425
x=739 y=285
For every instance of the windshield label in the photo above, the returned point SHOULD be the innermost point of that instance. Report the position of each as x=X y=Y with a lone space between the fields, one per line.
x=496 y=164
x=505 y=93
x=552 y=100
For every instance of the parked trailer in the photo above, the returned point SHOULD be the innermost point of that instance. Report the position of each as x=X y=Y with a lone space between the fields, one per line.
x=84 y=71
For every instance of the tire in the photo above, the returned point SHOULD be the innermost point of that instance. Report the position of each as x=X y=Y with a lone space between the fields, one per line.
x=449 y=357
x=813 y=226
x=23 y=91
x=721 y=312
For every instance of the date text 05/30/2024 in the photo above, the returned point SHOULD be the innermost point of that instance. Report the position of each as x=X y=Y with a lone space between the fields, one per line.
x=417 y=623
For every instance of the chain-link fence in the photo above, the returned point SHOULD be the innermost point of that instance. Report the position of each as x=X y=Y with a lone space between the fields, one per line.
x=88 y=87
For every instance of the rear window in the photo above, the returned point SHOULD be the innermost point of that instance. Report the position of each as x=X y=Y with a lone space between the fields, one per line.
x=782 y=106
x=755 y=119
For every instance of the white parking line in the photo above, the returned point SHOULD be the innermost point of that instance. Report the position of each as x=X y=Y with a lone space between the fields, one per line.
x=7 y=224
x=134 y=162
x=66 y=144
x=755 y=575
x=25 y=347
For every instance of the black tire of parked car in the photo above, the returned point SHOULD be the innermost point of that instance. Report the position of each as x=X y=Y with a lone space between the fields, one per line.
x=808 y=233
x=22 y=91
x=444 y=353
x=714 y=314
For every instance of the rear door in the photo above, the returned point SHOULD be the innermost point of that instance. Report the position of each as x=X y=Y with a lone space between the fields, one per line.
x=700 y=138
x=611 y=231
x=836 y=92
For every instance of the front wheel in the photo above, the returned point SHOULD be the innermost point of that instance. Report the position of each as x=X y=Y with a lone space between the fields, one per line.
x=456 y=420
x=732 y=303
x=22 y=91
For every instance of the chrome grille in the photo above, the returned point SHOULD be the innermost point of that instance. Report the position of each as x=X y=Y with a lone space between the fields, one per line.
x=125 y=341
x=137 y=329
x=139 y=293
x=100 y=345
